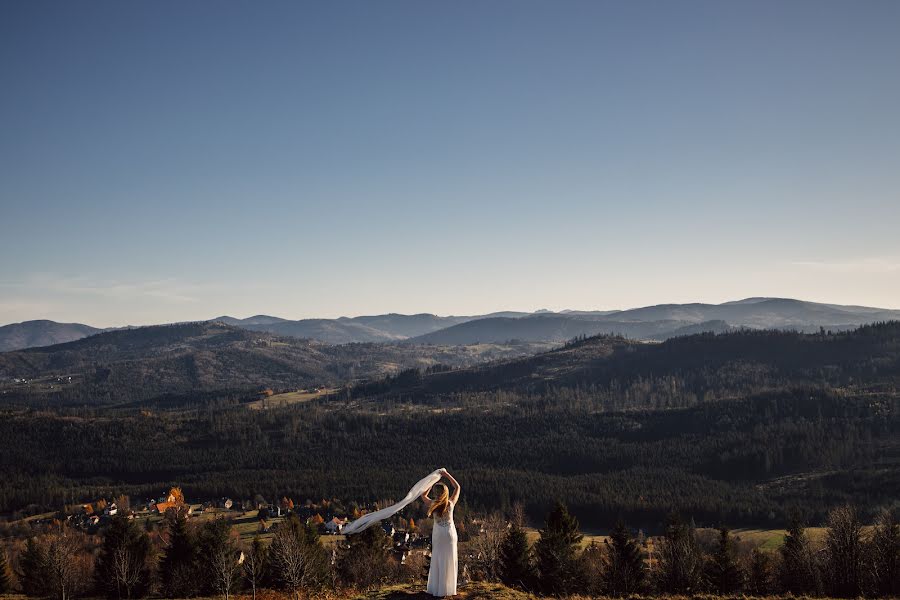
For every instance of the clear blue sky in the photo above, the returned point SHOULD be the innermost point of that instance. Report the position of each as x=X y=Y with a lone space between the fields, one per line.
x=165 y=161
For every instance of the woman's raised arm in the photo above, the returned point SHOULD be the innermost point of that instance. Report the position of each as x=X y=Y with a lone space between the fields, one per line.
x=455 y=497
x=424 y=497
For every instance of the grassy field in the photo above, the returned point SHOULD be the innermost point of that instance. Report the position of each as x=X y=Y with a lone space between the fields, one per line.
x=288 y=398
x=771 y=539
x=533 y=534
x=495 y=591
x=766 y=539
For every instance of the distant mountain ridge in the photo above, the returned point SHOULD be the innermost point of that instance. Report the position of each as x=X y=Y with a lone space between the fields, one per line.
x=658 y=322
x=29 y=334
x=184 y=361
x=664 y=321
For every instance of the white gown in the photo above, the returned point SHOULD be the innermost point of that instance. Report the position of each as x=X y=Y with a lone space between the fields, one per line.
x=444 y=563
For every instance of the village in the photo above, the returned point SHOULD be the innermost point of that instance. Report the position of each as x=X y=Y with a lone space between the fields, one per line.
x=252 y=519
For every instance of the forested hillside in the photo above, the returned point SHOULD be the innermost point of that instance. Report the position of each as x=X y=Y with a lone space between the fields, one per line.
x=185 y=362
x=620 y=373
x=739 y=428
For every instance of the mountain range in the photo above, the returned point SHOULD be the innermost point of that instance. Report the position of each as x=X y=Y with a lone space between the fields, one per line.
x=657 y=322
x=190 y=361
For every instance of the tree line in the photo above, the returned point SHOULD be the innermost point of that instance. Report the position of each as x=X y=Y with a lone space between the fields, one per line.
x=188 y=559
x=853 y=561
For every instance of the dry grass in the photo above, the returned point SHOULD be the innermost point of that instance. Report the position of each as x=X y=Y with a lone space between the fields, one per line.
x=287 y=398
x=471 y=591
x=495 y=591
x=533 y=534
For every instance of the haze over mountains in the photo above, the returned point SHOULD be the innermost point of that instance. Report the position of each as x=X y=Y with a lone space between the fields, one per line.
x=41 y=333
x=657 y=322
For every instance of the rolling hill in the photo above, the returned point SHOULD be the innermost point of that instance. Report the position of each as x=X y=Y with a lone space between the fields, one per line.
x=664 y=321
x=41 y=333
x=681 y=371
x=377 y=328
x=187 y=362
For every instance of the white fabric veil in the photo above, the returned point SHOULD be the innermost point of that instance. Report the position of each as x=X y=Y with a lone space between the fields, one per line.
x=367 y=520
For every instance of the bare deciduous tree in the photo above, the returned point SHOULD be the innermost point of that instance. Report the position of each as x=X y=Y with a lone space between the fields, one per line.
x=291 y=558
x=226 y=568
x=886 y=554
x=63 y=568
x=485 y=548
x=127 y=570
x=844 y=548
x=254 y=565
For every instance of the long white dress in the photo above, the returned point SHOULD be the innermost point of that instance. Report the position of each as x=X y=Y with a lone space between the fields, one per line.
x=444 y=562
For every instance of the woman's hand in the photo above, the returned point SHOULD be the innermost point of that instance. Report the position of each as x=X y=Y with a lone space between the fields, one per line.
x=443 y=471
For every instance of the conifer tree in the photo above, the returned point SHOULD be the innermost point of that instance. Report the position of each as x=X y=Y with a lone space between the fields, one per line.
x=680 y=559
x=556 y=553
x=798 y=571
x=32 y=573
x=516 y=565
x=122 y=569
x=623 y=568
x=217 y=558
x=364 y=563
x=178 y=566
x=723 y=573
x=4 y=572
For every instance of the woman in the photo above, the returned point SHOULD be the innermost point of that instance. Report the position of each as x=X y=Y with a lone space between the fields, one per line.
x=442 y=574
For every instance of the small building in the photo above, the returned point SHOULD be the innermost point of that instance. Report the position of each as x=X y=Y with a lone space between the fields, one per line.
x=388 y=528
x=335 y=525
x=162 y=507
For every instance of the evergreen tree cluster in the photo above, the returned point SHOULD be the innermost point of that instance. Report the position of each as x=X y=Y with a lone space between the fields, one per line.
x=849 y=566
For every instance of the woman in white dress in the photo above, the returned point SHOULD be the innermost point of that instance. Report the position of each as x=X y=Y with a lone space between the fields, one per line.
x=444 y=564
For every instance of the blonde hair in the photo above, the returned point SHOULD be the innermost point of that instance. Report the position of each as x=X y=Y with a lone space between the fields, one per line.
x=442 y=502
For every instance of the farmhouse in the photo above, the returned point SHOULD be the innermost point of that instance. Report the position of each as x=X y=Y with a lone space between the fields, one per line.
x=335 y=525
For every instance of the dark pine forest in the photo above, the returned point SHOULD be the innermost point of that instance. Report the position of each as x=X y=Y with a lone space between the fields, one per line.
x=742 y=428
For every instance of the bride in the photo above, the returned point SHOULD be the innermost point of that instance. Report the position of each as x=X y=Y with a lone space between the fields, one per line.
x=442 y=574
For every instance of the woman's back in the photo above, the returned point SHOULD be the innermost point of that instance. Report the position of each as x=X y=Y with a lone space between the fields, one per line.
x=444 y=562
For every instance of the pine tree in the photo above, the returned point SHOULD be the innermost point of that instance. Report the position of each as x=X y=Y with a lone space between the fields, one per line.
x=364 y=563
x=32 y=573
x=885 y=548
x=723 y=573
x=799 y=571
x=516 y=566
x=122 y=569
x=556 y=553
x=759 y=579
x=217 y=558
x=4 y=572
x=680 y=559
x=178 y=566
x=623 y=568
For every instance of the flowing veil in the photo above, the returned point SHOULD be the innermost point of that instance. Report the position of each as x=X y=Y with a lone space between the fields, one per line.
x=367 y=520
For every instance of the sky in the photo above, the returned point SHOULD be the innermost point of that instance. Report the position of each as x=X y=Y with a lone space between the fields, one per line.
x=169 y=161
